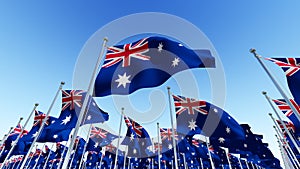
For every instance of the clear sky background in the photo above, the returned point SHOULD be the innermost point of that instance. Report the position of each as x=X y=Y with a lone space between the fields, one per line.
x=40 y=43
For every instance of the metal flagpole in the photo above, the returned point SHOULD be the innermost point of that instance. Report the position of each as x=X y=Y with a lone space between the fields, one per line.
x=247 y=165
x=209 y=154
x=128 y=165
x=118 y=144
x=21 y=133
x=227 y=156
x=20 y=161
x=30 y=158
x=43 y=123
x=201 y=163
x=125 y=156
x=173 y=129
x=279 y=88
x=279 y=140
x=14 y=143
x=38 y=157
x=283 y=124
x=184 y=161
x=73 y=156
x=158 y=142
x=252 y=164
x=85 y=145
x=6 y=135
x=85 y=102
x=281 y=136
x=48 y=157
x=102 y=155
x=240 y=163
x=62 y=157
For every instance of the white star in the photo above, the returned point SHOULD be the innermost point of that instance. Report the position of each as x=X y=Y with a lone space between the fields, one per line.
x=160 y=46
x=55 y=136
x=96 y=145
x=134 y=151
x=53 y=121
x=192 y=125
x=123 y=80
x=175 y=62
x=89 y=117
x=245 y=145
x=215 y=110
x=180 y=44
x=228 y=130
x=35 y=134
x=221 y=140
x=66 y=120
x=170 y=146
x=131 y=137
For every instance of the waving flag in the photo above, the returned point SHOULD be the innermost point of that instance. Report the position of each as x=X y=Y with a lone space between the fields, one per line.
x=287 y=111
x=99 y=138
x=192 y=117
x=148 y=62
x=291 y=69
x=166 y=138
x=71 y=105
x=137 y=139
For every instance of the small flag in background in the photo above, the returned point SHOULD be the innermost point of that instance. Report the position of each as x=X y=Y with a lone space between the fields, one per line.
x=148 y=62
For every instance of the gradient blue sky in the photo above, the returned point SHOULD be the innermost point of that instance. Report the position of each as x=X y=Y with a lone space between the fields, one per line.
x=40 y=42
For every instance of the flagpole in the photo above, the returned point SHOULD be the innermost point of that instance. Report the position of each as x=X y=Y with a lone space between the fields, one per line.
x=46 y=162
x=84 y=105
x=240 y=162
x=11 y=149
x=284 y=126
x=43 y=123
x=21 y=133
x=85 y=145
x=173 y=129
x=102 y=155
x=30 y=158
x=279 y=88
x=247 y=165
x=118 y=143
x=125 y=156
x=158 y=142
x=38 y=157
x=201 y=163
x=6 y=135
x=73 y=156
x=3 y=141
x=62 y=156
x=227 y=156
x=209 y=154
x=184 y=161
x=279 y=140
x=280 y=134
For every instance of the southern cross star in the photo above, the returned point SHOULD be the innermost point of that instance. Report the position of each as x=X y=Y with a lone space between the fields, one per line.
x=123 y=80
x=175 y=62
x=192 y=125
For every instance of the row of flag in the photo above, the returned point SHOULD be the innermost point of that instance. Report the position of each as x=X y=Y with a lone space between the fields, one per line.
x=146 y=63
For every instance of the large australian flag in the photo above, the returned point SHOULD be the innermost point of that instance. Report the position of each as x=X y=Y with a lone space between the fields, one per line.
x=148 y=62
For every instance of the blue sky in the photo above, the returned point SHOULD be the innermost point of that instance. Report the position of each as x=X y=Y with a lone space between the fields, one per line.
x=40 y=43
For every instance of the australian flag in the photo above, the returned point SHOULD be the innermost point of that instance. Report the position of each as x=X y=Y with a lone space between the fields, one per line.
x=99 y=138
x=148 y=62
x=195 y=116
x=291 y=69
x=71 y=104
x=287 y=111
x=137 y=139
